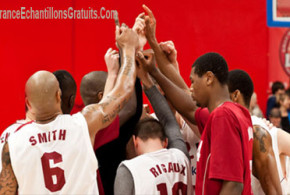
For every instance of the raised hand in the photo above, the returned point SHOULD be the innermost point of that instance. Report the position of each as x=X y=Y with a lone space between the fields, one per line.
x=169 y=49
x=146 y=60
x=126 y=38
x=139 y=28
x=150 y=28
x=112 y=61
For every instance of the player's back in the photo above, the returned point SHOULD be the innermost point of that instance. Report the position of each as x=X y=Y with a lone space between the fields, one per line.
x=54 y=158
x=165 y=171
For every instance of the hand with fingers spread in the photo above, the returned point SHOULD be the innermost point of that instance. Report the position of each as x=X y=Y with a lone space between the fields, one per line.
x=150 y=25
x=169 y=49
x=112 y=61
x=126 y=38
x=139 y=28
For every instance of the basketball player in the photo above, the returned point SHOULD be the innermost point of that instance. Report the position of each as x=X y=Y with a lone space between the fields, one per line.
x=68 y=89
x=265 y=162
x=156 y=170
x=187 y=130
x=59 y=147
x=221 y=168
x=113 y=139
x=11 y=129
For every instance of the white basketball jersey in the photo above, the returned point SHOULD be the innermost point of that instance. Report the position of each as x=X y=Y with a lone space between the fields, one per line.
x=6 y=133
x=191 y=141
x=54 y=158
x=256 y=186
x=165 y=171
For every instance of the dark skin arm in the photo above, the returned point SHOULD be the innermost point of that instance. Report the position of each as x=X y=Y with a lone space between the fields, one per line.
x=180 y=100
x=165 y=66
x=230 y=187
x=8 y=182
x=264 y=163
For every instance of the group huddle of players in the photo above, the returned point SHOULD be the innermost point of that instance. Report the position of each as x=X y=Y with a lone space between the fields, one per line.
x=200 y=140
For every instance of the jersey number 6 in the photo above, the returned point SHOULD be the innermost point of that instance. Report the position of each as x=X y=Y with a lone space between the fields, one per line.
x=49 y=172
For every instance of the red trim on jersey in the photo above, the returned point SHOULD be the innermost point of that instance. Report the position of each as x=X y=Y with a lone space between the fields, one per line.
x=100 y=184
x=23 y=126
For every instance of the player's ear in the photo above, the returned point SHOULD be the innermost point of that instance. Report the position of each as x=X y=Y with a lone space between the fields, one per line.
x=209 y=76
x=58 y=95
x=100 y=95
x=235 y=95
x=135 y=141
x=27 y=103
x=165 y=143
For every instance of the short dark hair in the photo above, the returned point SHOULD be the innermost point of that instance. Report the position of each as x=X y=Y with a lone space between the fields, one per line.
x=213 y=62
x=68 y=89
x=66 y=82
x=240 y=80
x=276 y=86
x=149 y=128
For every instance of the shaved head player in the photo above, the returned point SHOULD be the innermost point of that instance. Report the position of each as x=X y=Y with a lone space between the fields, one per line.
x=58 y=147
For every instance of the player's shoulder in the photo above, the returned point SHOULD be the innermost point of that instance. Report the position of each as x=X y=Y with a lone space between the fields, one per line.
x=232 y=108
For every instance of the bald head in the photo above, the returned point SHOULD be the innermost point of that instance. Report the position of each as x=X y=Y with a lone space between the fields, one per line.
x=43 y=94
x=92 y=87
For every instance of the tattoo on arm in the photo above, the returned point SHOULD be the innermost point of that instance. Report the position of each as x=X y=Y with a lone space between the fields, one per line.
x=8 y=182
x=260 y=136
x=129 y=63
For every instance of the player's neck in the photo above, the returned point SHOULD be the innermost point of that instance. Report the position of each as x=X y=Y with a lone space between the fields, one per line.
x=151 y=146
x=220 y=94
x=44 y=118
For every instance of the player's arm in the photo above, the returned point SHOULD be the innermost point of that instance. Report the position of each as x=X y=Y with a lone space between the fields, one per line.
x=231 y=187
x=163 y=112
x=99 y=116
x=179 y=99
x=8 y=182
x=112 y=63
x=124 y=182
x=264 y=163
x=166 y=67
x=283 y=142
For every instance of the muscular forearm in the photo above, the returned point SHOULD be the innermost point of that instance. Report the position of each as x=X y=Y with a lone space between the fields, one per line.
x=166 y=67
x=264 y=163
x=99 y=116
x=110 y=82
x=179 y=99
x=167 y=119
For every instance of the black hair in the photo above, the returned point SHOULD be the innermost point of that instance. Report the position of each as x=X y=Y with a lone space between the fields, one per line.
x=149 y=128
x=213 y=62
x=66 y=82
x=276 y=86
x=68 y=89
x=240 y=80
